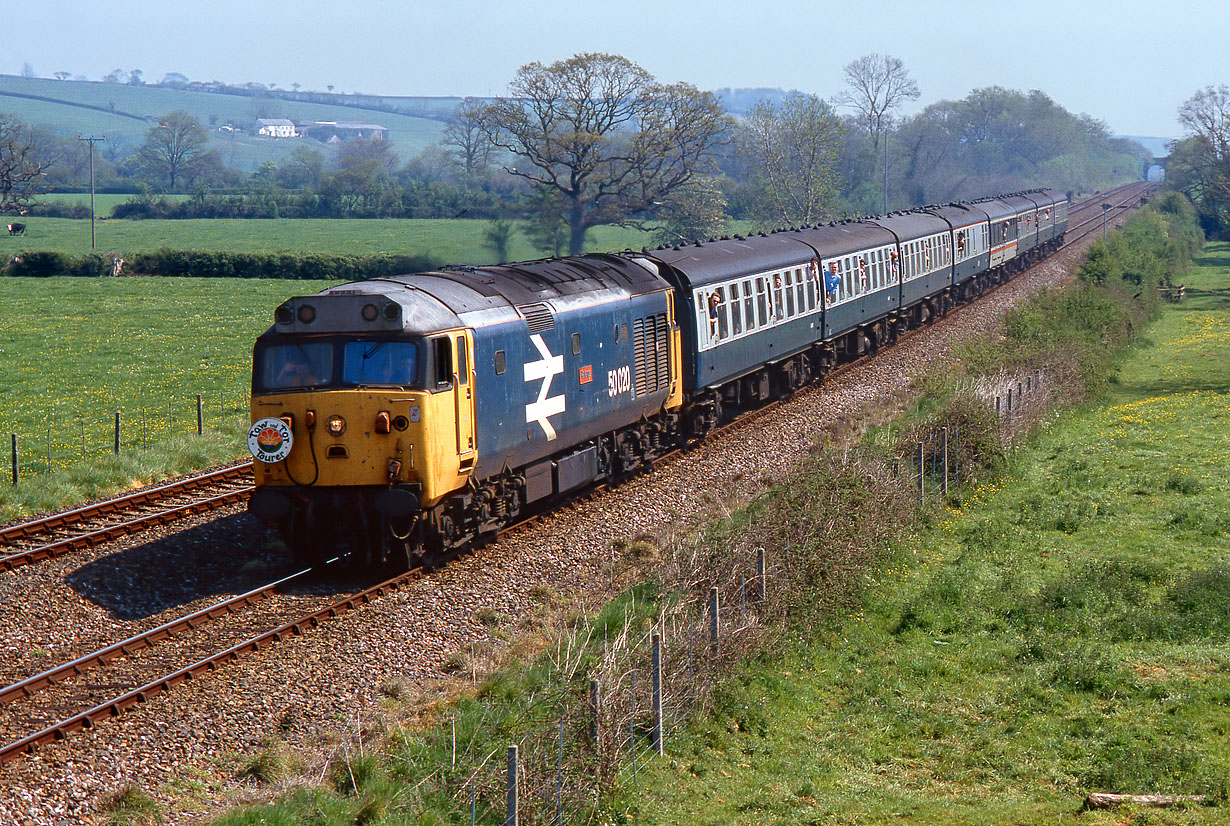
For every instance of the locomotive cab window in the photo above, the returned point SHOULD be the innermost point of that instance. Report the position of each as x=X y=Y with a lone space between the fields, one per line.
x=294 y=366
x=380 y=363
x=442 y=363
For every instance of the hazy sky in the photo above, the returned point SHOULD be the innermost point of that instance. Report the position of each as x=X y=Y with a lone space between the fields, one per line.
x=1158 y=53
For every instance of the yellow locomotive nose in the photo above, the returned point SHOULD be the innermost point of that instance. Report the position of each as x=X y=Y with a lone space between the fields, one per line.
x=365 y=433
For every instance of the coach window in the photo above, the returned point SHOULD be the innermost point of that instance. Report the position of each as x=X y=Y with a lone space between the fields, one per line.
x=749 y=312
x=717 y=306
x=789 y=294
x=736 y=315
x=576 y=344
x=762 y=315
x=442 y=360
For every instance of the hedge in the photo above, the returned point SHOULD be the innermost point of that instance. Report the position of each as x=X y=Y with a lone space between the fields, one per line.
x=199 y=264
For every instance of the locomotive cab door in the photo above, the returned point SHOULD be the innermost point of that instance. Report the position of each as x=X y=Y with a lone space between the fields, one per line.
x=463 y=391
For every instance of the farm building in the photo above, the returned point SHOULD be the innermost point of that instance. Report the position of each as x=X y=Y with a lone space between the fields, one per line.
x=276 y=127
x=342 y=130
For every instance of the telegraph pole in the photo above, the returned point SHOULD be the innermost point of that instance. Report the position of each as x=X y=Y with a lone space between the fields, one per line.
x=91 y=141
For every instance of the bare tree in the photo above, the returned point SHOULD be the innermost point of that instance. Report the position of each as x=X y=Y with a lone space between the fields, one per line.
x=878 y=84
x=794 y=150
x=23 y=164
x=465 y=138
x=173 y=147
x=599 y=132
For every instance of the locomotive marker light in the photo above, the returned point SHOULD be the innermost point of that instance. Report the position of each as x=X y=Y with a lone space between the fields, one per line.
x=270 y=440
x=336 y=425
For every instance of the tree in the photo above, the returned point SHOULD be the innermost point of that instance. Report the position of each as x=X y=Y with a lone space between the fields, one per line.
x=24 y=160
x=1200 y=164
x=794 y=149
x=497 y=236
x=365 y=168
x=63 y=75
x=698 y=212
x=302 y=169
x=599 y=133
x=173 y=148
x=465 y=137
x=135 y=78
x=878 y=84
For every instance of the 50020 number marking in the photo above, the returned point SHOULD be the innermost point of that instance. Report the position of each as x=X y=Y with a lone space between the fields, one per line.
x=618 y=381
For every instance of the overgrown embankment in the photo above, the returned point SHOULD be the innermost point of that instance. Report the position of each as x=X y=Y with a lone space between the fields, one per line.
x=1059 y=630
x=898 y=657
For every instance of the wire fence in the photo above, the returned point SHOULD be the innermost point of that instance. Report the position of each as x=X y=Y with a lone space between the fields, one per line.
x=63 y=443
x=613 y=704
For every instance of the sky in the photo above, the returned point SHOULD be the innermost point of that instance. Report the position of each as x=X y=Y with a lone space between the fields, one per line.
x=1130 y=63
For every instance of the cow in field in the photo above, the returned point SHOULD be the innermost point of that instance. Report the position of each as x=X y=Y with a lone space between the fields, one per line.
x=17 y=229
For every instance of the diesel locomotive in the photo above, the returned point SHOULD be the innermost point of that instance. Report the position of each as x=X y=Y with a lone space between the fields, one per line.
x=401 y=418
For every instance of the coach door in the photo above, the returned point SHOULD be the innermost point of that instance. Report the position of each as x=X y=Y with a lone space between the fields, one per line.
x=463 y=392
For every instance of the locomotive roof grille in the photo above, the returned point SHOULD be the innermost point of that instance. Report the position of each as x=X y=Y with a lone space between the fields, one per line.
x=538 y=317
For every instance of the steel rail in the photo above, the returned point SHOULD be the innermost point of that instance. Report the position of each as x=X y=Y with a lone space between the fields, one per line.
x=114 y=707
x=146 y=639
x=46 y=524
x=110 y=532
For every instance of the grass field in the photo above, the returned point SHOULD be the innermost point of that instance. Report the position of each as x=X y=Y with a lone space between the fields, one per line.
x=1062 y=631
x=449 y=241
x=76 y=350
x=104 y=202
x=408 y=134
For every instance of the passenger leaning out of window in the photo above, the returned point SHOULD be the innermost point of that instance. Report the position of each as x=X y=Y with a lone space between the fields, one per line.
x=831 y=281
x=715 y=304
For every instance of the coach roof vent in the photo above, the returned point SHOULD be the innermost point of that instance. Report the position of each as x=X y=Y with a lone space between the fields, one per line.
x=537 y=317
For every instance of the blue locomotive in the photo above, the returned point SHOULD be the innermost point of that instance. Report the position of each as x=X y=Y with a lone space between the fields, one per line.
x=405 y=417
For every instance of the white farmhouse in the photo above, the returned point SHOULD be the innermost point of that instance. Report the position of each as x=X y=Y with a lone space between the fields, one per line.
x=276 y=127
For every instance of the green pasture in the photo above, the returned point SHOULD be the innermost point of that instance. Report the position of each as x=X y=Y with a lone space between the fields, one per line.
x=1058 y=631
x=76 y=350
x=408 y=134
x=104 y=202
x=449 y=241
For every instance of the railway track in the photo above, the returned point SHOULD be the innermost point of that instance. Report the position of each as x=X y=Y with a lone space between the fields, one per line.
x=152 y=676
x=47 y=537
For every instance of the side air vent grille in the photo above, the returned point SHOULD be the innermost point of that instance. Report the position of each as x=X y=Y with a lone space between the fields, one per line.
x=537 y=316
x=651 y=354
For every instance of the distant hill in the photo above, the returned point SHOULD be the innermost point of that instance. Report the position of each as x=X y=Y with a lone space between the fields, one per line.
x=1158 y=146
x=123 y=113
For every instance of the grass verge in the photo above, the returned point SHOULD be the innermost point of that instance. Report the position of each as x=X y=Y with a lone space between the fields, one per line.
x=1059 y=631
